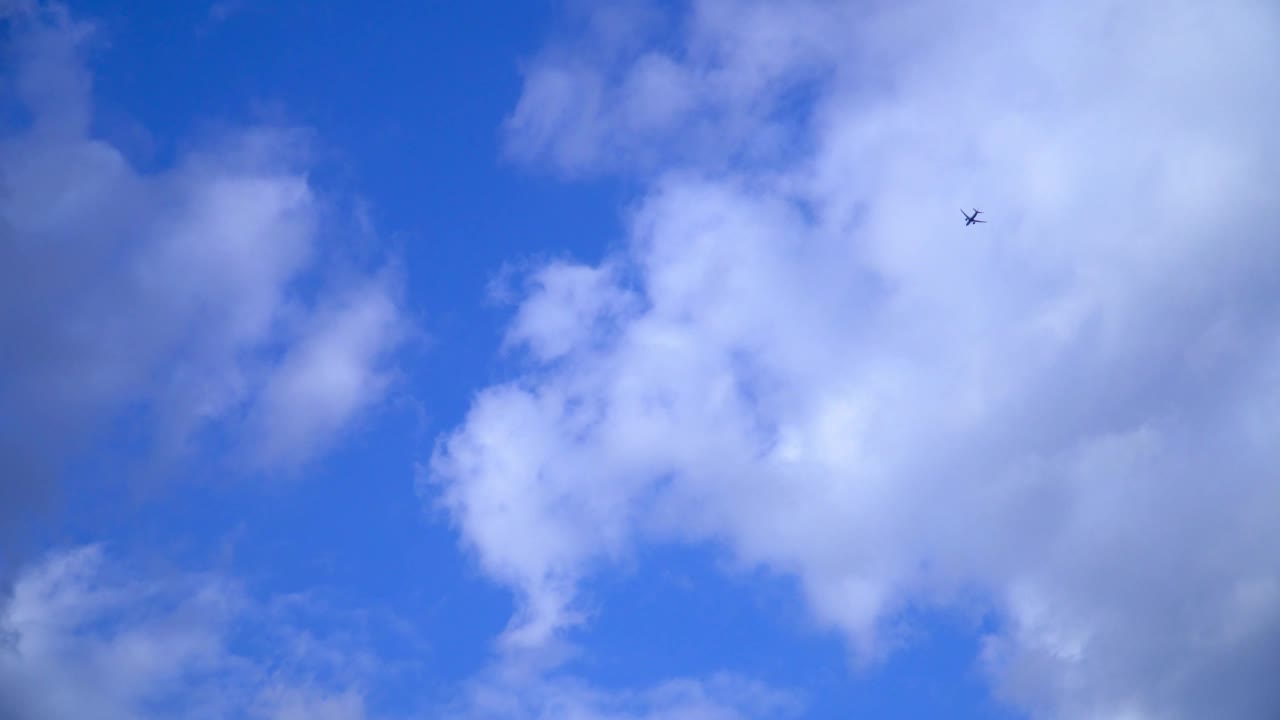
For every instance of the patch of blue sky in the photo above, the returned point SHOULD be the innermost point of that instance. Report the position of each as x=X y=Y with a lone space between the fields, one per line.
x=686 y=610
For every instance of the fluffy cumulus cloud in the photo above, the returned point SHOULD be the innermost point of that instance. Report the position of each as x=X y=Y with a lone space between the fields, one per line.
x=86 y=636
x=1070 y=415
x=174 y=293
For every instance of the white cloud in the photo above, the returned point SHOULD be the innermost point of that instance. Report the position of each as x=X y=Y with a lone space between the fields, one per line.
x=331 y=373
x=1068 y=411
x=609 y=101
x=719 y=697
x=297 y=704
x=83 y=639
x=176 y=291
x=573 y=305
x=83 y=634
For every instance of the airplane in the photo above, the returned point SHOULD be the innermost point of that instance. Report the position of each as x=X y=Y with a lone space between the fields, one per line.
x=971 y=219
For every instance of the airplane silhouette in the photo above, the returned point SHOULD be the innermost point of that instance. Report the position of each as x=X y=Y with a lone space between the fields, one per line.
x=971 y=219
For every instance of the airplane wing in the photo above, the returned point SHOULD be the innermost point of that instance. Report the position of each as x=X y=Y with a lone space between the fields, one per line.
x=981 y=221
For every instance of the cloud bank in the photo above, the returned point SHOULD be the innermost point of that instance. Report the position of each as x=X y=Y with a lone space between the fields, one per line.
x=188 y=295
x=1069 y=416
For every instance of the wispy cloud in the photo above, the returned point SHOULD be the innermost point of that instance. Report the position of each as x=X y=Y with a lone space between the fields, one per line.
x=175 y=291
x=86 y=636
x=719 y=697
x=1070 y=411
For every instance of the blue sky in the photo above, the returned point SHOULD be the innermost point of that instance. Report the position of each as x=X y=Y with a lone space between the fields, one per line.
x=630 y=360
